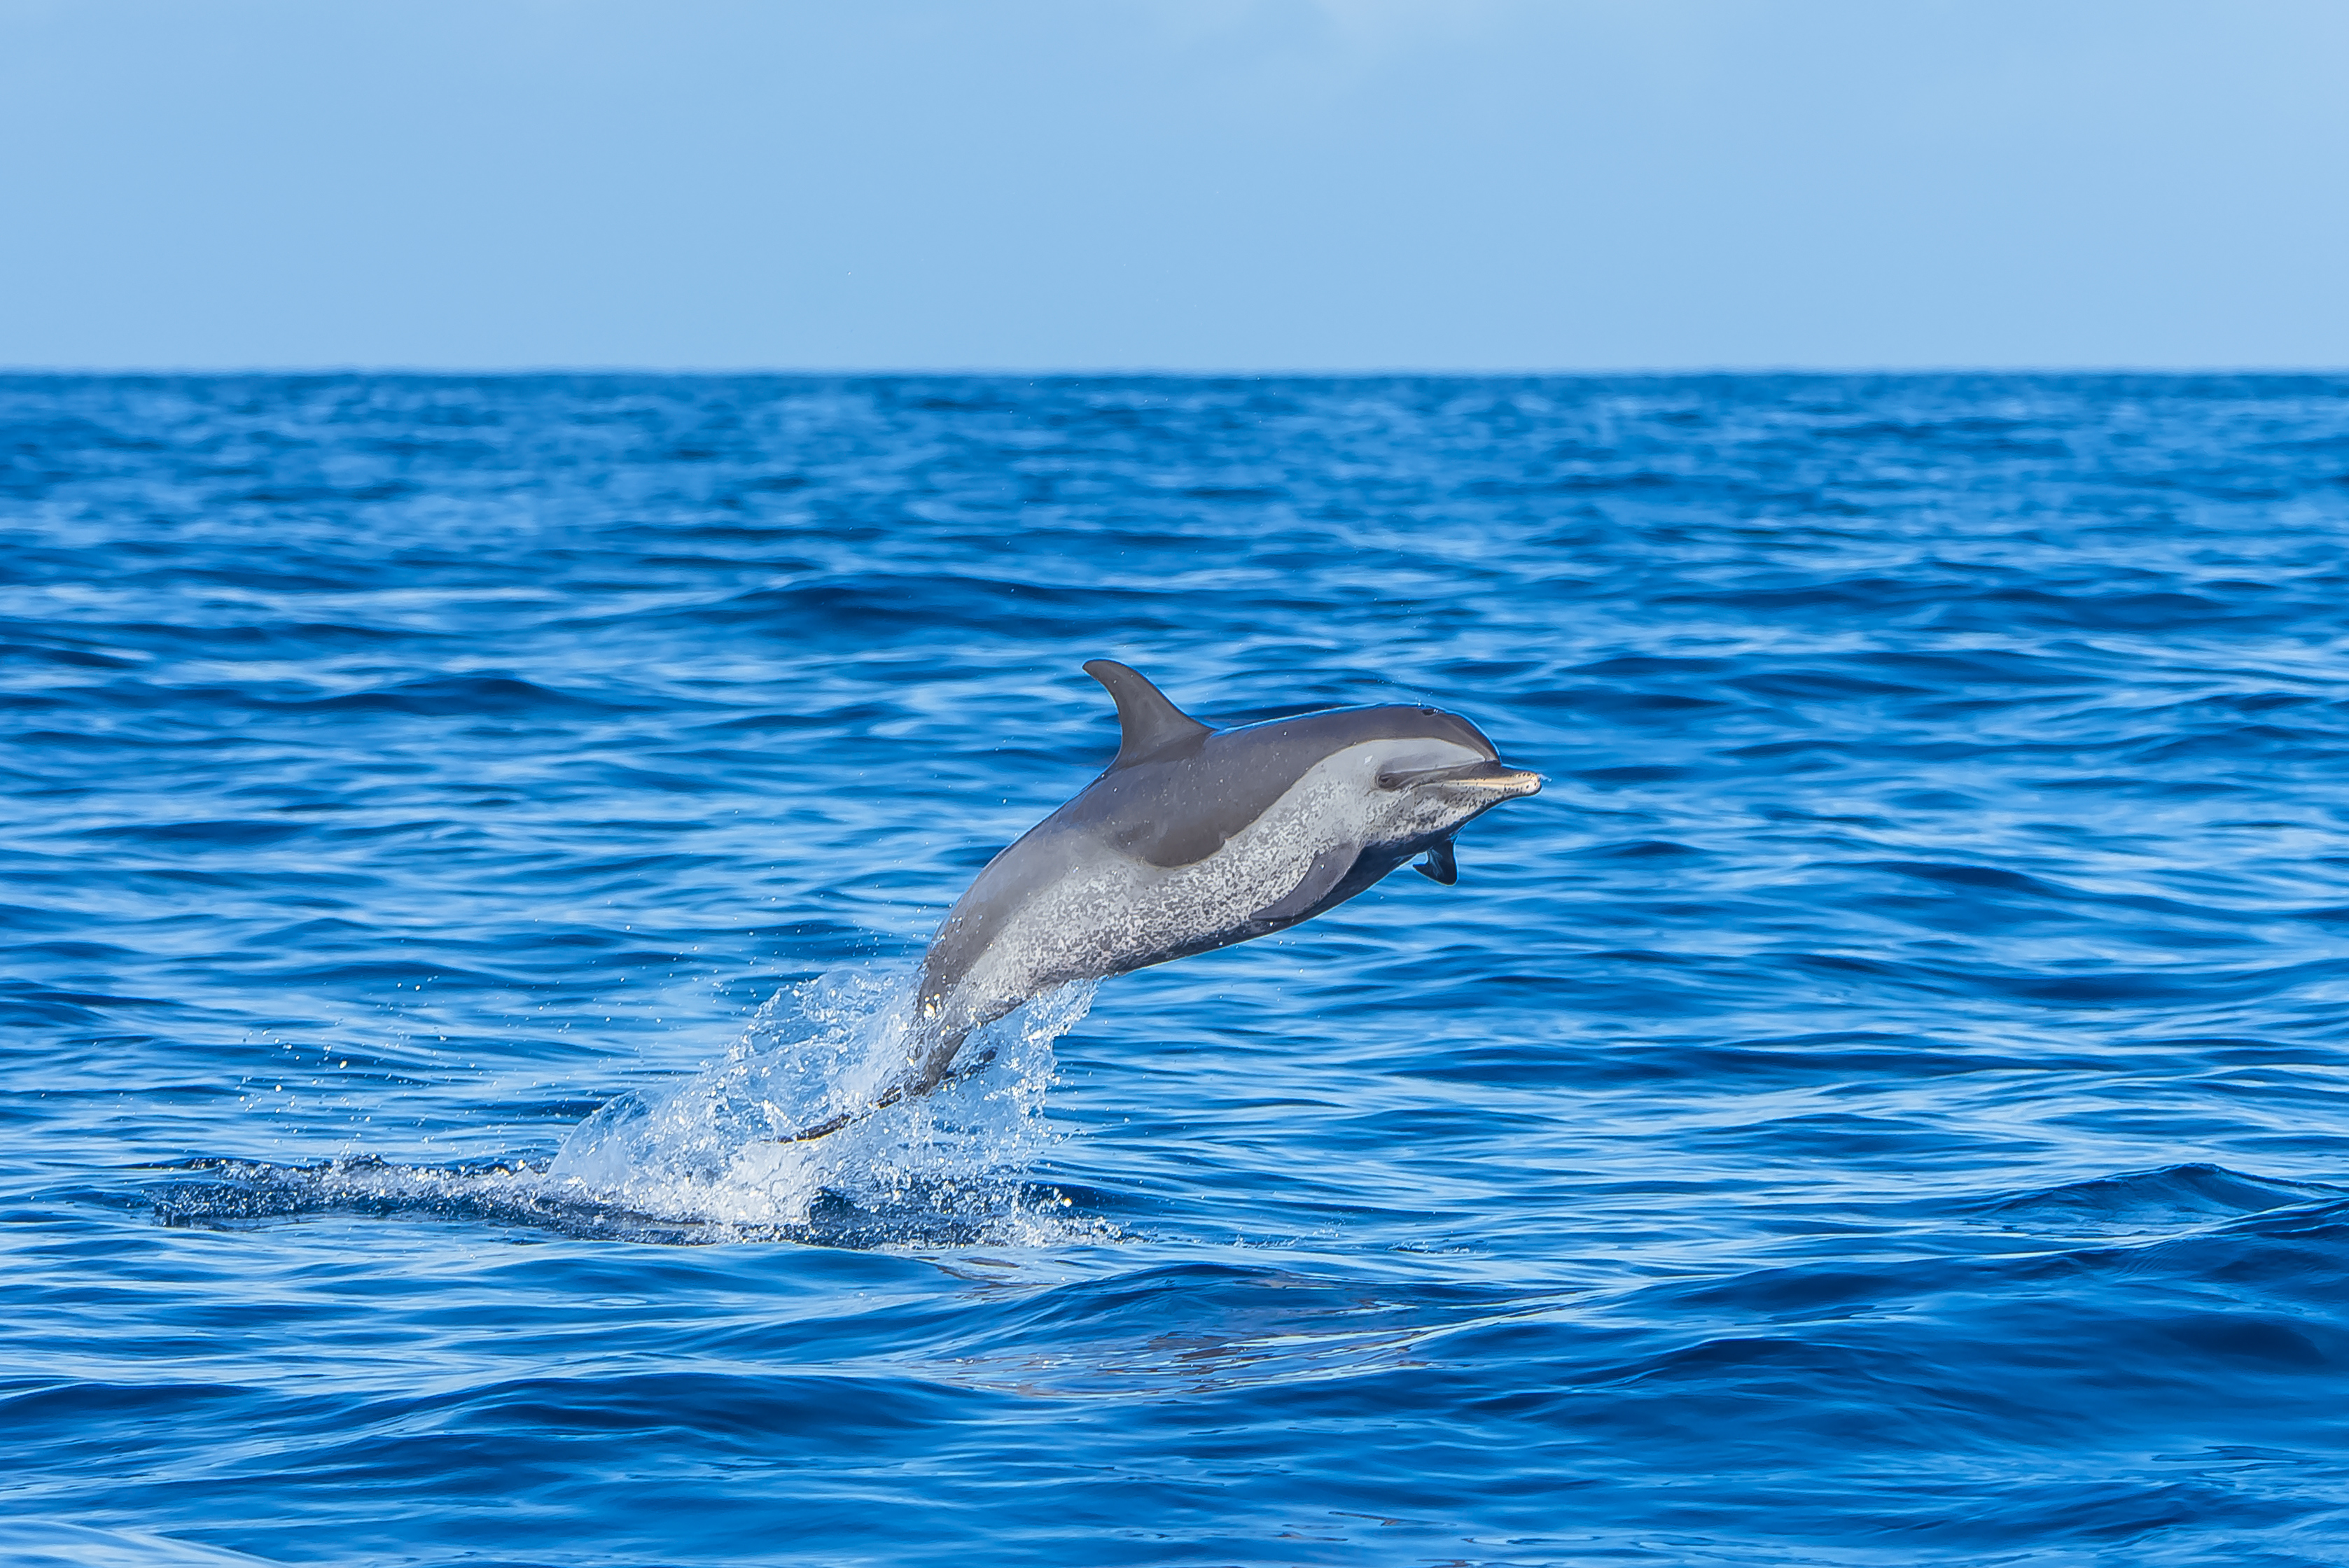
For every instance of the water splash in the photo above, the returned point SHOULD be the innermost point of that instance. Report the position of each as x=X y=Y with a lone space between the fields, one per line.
x=716 y=1148
x=705 y=1158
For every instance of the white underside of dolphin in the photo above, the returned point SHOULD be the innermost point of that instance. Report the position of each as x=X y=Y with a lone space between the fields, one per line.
x=1194 y=839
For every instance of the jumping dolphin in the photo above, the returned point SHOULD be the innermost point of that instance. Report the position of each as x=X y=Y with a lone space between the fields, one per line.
x=1192 y=839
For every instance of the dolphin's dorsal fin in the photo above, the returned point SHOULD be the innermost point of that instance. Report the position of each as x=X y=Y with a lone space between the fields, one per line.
x=1148 y=723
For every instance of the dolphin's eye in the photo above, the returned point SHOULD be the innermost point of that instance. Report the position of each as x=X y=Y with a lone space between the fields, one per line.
x=1391 y=780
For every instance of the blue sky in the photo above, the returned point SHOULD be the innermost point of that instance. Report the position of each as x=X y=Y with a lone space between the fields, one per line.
x=1191 y=184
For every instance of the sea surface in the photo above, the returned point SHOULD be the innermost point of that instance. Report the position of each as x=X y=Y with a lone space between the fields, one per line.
x=1885 y=1101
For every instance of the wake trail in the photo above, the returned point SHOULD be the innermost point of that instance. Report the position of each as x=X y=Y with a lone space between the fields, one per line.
x=712 y=1155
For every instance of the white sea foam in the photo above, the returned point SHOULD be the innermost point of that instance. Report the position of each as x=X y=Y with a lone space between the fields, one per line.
x=56 y=1543
x=716 y=1147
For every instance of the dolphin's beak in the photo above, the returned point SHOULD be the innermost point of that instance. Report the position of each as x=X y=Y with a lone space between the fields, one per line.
x=1498 y=777
x=1503 y=781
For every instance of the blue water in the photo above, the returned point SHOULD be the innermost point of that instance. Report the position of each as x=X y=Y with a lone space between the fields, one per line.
x=1884 y=1102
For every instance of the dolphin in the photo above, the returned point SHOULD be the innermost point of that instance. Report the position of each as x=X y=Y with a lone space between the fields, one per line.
x=1192 y=839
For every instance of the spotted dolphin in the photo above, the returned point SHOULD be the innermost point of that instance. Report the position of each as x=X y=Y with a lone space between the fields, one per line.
x=1192 y=839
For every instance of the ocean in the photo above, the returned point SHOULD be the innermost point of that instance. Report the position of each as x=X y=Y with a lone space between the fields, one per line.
x=1884 y=1102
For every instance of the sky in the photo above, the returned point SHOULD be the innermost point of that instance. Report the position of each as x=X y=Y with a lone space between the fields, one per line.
x=1249 y=185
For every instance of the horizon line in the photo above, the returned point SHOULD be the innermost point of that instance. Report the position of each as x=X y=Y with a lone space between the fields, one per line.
x=1150 y=373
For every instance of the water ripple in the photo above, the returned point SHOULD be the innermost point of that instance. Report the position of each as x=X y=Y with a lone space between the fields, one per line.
x=1883 y=1103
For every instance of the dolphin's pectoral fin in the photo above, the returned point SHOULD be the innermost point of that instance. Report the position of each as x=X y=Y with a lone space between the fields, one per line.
x=1148 y=723
x=1439 y=865
x=1327 y=870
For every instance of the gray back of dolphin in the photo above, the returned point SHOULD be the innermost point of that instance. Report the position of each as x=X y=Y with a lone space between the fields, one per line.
x=1179 y=791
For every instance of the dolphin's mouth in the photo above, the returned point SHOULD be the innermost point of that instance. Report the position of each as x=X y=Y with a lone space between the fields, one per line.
x=1500 y=780
x=1495 y=778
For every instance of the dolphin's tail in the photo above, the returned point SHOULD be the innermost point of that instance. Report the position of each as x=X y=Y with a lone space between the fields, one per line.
x=933 y=1064
x=896 y=1094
